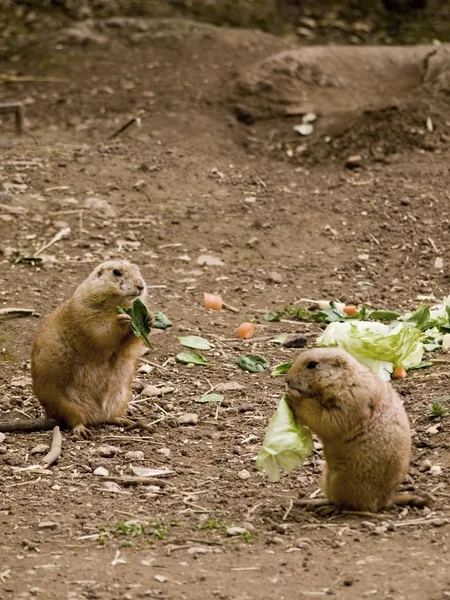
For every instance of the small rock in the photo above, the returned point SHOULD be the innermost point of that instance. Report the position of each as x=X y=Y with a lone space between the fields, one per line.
x=134 y=455
x=297 y=341
x=47 y=525
x=198 y=550
x=233 y=531
x=304 y=129
x=435 y=470
x=107 y=451
x=40 y=449
x=112 y=486
x=101 y=472
x=275 y=277
x=229 y=386
x=244 y=474
x=188 y=419
x=151 y=390
x=145 y=368
x=353 y=162
x=348 y=582
x=2 y=437
x=101 y=206
x=160 y=578
x=439 y=263
x=363 y=257
x=164 y=451
x=20 y=382
x=209 y=261
x=425 y=465
x=303 y=543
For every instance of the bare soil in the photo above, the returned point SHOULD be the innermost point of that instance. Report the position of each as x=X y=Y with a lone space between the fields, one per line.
x=195 y=180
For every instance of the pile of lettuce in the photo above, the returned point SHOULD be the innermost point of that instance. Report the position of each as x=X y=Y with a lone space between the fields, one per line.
x=383 y=347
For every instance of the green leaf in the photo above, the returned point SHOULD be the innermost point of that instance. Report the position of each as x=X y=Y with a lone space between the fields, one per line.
x=383 y=315
x=273 y=316
x=252 y=363
x=281 y=369
x=161 y=321
x=138 y=313
x=210 y=398
x=299 y=313
x=423 y=365
x=286 y=444
x=421 y=318
x=280 y=339
x=193 y=358
x=195 y=341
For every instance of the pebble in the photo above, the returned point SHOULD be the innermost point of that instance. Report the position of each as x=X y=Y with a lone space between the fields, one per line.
x=198 y=550
x=40 y=449
x=152 y=390
x=164 y=451
x=47 y=525
x=112 y=486
x=275 y=277
x=229 y=386
x=425 y=465
x=354 y=161
x=160 y=578
x=145 y=368
x=435 y=470
x=107 y=451
x=2 y=437
x=188 y=419
x=244 y=474
x=209 y=261
x=101 y=472
x=232 y=531
x=134 y=455
x=439 y=263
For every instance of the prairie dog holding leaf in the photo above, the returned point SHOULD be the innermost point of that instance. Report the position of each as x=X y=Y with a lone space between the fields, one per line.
x=362 y=424
x=84 y=355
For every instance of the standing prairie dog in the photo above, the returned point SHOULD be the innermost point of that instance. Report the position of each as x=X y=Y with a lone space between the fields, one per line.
x=84 y=355
x=362 y=424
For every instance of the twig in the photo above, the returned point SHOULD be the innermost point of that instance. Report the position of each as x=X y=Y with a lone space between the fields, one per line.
x=229 y=307
x=424 y=521
x=433 y=245
x=128 y=124
x=149 y=362
x=141 y=425
x=56 y=238
x=29 y=79
x=363 y=513
x=127 y=480
x=16 y=312
x=289 y=508
x=55 y=449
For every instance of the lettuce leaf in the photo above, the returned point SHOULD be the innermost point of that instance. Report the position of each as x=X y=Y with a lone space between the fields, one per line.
x=285 y=443
x=379 y=346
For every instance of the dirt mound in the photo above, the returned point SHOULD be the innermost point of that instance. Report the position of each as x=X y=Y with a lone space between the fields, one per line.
x=361 y=96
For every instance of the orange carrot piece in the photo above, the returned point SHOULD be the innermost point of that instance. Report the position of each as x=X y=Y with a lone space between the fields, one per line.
x=350 y=310
x=246 y=330
x=212 y=301
x=399 y=373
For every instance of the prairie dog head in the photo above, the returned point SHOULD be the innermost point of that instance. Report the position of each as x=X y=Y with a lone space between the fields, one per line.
x=332 y=393
x=114 y=282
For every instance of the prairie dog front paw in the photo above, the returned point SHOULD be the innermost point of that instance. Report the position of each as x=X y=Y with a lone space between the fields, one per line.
x=124 y=320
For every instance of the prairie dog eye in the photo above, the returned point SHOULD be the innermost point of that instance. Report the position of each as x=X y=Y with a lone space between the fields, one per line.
x=312 y=364
x=117 y=273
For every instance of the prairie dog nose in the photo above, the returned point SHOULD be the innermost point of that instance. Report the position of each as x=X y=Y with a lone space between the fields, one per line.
x=140 y=287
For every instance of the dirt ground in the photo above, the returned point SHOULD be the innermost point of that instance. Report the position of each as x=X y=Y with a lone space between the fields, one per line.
x=194 y=180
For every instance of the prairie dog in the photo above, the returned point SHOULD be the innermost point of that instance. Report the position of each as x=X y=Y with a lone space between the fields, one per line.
x=84 y=355
x=362 y=424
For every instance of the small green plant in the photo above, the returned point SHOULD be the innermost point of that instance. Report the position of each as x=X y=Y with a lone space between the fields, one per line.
x=436 y=410
x=127 y=544
x=212 y=524
x=133 y=529
x=101 y=540
x=247 y=537
x=160 y=529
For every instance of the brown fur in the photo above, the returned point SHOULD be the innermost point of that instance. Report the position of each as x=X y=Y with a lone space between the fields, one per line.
x=84 y=355
x=361 y=422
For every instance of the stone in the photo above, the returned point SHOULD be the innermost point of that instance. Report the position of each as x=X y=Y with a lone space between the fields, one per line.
x=206 y=260
x=101 y=472
x=244 y=474
x=188 y=419
x=47 y=525
x=40 y=449
x=134 y=455
x=107 y=451
x=233 y=531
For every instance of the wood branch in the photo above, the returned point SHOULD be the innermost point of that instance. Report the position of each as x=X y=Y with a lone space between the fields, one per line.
x=55 y=449
x=16 y=312
x=127 y=480
x=27 y=425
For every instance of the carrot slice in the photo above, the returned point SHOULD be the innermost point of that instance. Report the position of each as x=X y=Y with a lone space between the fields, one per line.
x=212 y=301
x=399 y=373
x=350 y=310
x=246 y=330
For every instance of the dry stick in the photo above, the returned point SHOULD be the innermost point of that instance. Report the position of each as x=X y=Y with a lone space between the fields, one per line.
x=229 y=307
x=127 y=480
x=27 y=425
x=55 y=449
x=16 y=312
x=30 y=79
x=62 y=233
x=128 y=124
x=149 y=362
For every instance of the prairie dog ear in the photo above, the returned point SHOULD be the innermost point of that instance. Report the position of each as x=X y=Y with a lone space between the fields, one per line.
x=338 y=361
